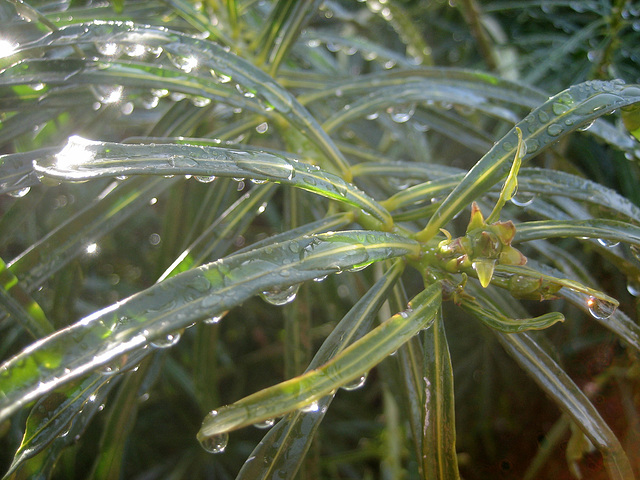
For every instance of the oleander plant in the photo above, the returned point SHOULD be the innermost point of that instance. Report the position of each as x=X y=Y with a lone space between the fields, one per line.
x=233 y=233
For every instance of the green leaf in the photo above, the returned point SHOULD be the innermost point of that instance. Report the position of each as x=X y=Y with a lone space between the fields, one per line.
x=284 y=447
x=611 y=230
x=83 y=159
x=560 y=115
x=57 y=418
x=557 y=384
x=208 y=57
x=17 y=302
x=126 y=328
x=439 y=457
x=348 y=365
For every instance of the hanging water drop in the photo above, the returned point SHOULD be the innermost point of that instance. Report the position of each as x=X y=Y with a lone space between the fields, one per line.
x=484 y=269
x=281 y=296
x=266 y=424
x=262 y=128
x=215 y=319
x=522 y=199
x=600 y=309
x=633 y=287
x=205 y=178
x=586 y=126
x=20 y=193
x=608 y=243
x=215 y=443
x=167 y=341
x=356 y=384
x=401 y=113
x=311 y=407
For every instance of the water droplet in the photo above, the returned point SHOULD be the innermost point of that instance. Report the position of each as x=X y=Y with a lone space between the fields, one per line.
x=281 y=296
x=320 y=279
x=205 y=178
x=633 y=287
x=127 y=108
x=356 y=384
x=276 y=167
x=559 y=108
x=608 y=243
x=554 y=129
x=199 y=101
x=401 y=113
x=522 y=199
x=372 y=116
x=266 y=424
x=215 y=443
x=109 y=94
x=166 y=342
x=586 y=126
x=532 y=145
x=109 y=49
x=215 y=319
x=484 y=269
x=600 y=309
x=312 y=407
x=20 y=193
x=186 y=64
x=543 y=117
x=135 y=50
x=262 y=128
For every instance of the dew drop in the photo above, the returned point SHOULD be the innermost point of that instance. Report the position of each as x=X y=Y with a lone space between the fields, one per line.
x=266 y=424
x=484 y=269
x=356 y=384
x=186 y=64
x=215 y=319
x=559 y=108
x=135 y=50
x=600 y=309
x=108 y=95
x=372 y=116
x=281 y=296
x=312 y=407
x=205 y=178
x=401 y=113
x=554 y=130
x=543 y=117
x=633 y=287
x=109 y=49
x=20 y=193
x=608 y=243
x=532 y=145
x=262 y=128
x=166 y=342
x=586 y=126
x=200 y=102
x=522 y=199
x=215 y=443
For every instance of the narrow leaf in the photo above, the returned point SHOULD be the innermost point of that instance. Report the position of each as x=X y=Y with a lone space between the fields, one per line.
x=557 y=384
x=439 y=456
x=126 y=328
x=348 y=365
